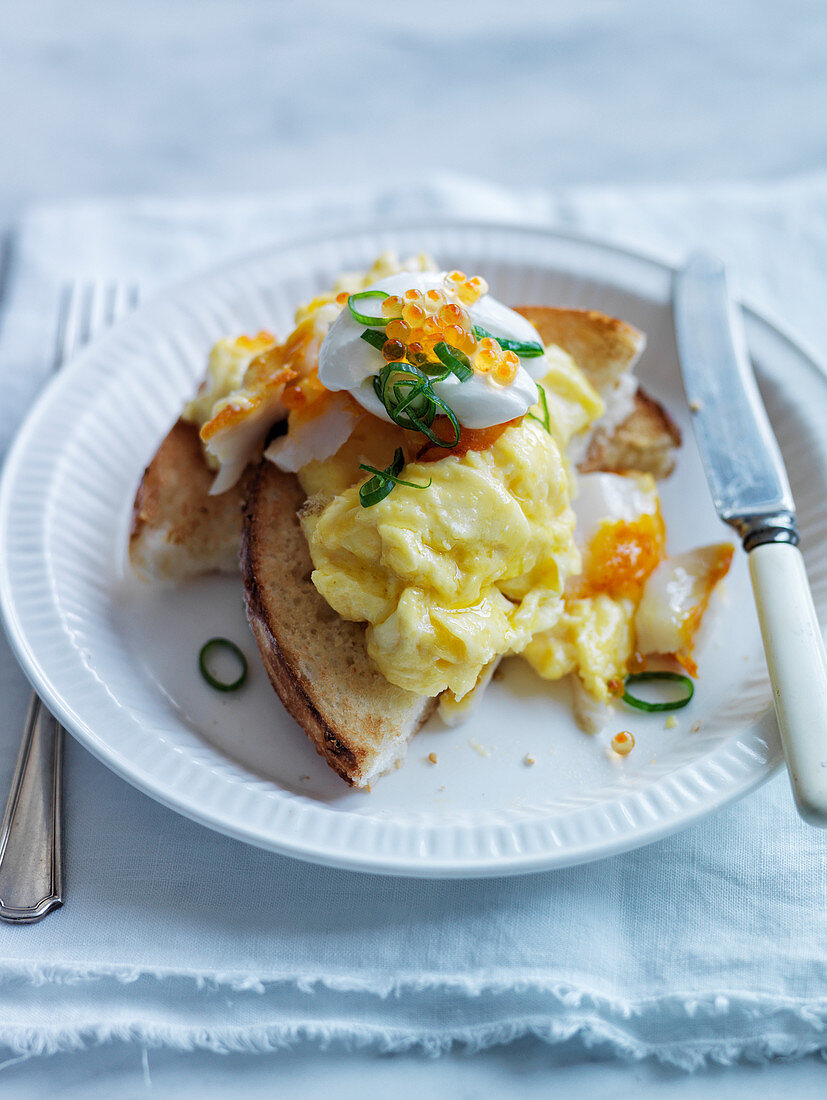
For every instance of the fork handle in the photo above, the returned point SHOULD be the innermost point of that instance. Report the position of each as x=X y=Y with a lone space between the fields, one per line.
x=31 y=858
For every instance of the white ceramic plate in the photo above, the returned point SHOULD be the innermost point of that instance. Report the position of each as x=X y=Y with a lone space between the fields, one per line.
x=116 y=661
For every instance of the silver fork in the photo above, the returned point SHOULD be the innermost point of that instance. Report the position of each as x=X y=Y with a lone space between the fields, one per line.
x=31 y=848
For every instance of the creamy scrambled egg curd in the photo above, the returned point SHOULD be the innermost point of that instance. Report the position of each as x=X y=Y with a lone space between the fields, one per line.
x=450 y=577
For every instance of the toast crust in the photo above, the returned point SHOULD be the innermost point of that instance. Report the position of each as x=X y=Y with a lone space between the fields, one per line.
x=605 y=348
x=317 y=662
x=178 y=529
x=645 y=442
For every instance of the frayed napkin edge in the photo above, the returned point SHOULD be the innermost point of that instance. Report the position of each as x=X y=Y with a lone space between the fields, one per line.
x=791 y=1027
x=26 y=1043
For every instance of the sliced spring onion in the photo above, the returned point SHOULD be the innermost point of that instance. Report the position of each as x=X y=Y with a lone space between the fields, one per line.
x=455 y=360
x=399 y=386
x=406 y=393
x=643 y=677
x=377 y=339
x=544 y=419
x=526 y=349
x=383 y=481
x=209 y=649
x=366 y=318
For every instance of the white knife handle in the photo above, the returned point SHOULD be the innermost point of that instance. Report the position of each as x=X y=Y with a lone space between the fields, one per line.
x=798 y=670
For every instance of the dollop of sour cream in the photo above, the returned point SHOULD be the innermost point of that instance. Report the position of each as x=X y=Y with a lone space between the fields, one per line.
x=346 y=362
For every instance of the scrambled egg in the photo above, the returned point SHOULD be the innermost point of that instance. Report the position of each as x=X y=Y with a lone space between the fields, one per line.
x=470 y=569
x=449 y=577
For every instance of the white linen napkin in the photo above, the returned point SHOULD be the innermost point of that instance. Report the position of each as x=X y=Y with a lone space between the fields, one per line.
x=711 y=944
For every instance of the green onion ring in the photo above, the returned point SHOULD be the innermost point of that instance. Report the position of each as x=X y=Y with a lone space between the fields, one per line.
x=401 y=387
x=366 y=318
x=230 y=647
x=455 y=360
x=642 y=677
x=526 y=349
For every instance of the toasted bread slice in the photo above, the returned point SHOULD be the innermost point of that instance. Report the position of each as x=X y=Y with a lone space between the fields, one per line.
x=605 y=348
x=645 y=441
x=317 y=662
x=178 y=529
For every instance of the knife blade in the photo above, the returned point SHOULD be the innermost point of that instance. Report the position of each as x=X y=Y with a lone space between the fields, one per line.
x=739 y=451
x=751 y=492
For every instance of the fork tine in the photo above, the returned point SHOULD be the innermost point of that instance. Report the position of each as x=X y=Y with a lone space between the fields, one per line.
x=87 y=315
x=88 y=308
x=110 y=304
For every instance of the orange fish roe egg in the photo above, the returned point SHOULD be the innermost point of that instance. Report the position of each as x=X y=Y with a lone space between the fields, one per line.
x=503 y=371
x=468 y=293
x=489 y=344
x=413 y=314
x=265 y=336
x=479 y=284
x=398 y=330
x=413 y=295
x=450 y=314
x=341 y=298
x=431 y=326
x=468 y=343
x=484 y=361
x=245 y=342
x=393 y=306
x=454 y=335
x=393 y=350
x=623 y=743
x=434 y=300
x=416 y=354
x=453 y=279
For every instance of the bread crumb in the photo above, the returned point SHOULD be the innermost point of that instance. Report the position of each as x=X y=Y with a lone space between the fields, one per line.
x=671 y=722
x=432 y=757
x=695 y=728
x=528 y=760
x=304 y=777
x=696 y=406
x=477 y=747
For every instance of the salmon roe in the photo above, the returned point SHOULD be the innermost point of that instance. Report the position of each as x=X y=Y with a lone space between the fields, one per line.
x=623 y=743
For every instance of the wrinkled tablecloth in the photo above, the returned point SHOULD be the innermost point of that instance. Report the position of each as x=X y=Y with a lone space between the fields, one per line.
x=711 y=944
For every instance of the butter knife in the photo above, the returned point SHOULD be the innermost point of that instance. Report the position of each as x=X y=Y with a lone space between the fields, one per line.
x=751 y=493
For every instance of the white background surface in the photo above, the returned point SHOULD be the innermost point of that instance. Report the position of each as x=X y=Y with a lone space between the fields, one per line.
x=205 y=96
